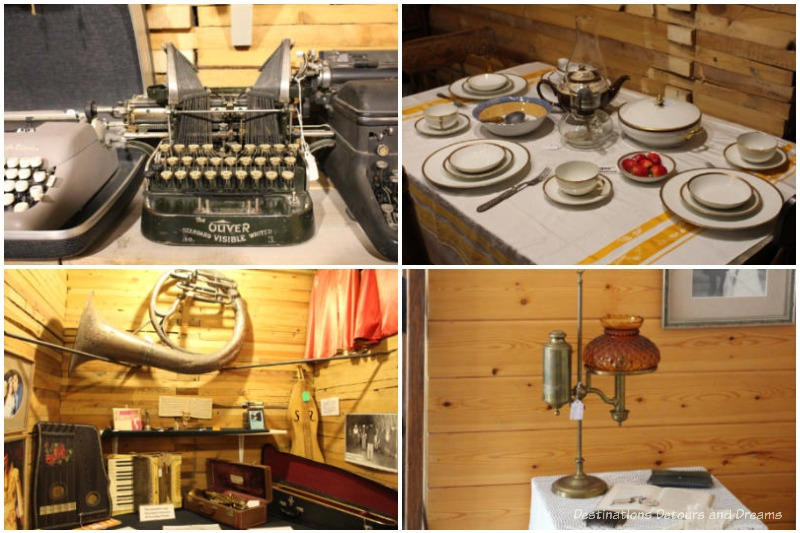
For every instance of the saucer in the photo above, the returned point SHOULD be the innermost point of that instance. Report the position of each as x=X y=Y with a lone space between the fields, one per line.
x=462 y=123
x=508 y=159
x=719 y=190
x=555 y=194
x=477 y=158
x=750 y=207
x=433 y=167
x=733 y=157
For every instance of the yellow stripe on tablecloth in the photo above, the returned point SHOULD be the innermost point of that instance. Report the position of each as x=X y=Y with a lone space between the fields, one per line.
x=672 y=234
x=420 y=107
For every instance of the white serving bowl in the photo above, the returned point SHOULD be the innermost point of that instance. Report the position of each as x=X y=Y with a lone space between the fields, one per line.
x=507 y=104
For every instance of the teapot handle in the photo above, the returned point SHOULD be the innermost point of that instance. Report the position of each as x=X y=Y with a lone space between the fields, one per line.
x=552 y=87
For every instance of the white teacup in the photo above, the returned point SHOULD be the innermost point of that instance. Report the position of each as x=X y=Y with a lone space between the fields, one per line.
x=441 y=116
x=756 y=147
x=578 y=177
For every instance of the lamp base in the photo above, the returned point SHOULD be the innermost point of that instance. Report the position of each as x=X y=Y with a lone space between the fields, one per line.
x=579 y=486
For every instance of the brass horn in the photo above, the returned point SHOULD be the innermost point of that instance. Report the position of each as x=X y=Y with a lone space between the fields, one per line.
x=96 y=337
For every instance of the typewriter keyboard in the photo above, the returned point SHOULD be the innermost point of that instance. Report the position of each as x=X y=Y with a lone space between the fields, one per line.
x=26 y=181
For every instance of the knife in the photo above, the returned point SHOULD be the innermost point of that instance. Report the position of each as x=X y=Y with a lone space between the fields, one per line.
x=508 y=193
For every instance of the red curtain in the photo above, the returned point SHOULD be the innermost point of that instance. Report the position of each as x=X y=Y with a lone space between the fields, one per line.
x=350 y=309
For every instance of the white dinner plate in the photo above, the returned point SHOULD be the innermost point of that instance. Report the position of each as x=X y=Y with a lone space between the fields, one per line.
x=750 y=207
x=733 y=157
x=508 y=159
x=487 y=82
x=462 y=123
x=719 y=190
x=476 y=158
x=771 y=200
x=555 y=194
x=518 y=85
x=433 y=167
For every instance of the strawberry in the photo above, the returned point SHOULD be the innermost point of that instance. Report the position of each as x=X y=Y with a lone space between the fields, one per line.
x=639 y=158
x=654 y=157
x=640 y=170
x=628 y=164
x=646 y=163
x=658 y=170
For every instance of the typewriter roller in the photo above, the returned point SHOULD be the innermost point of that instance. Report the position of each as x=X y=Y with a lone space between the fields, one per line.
x=229 y=171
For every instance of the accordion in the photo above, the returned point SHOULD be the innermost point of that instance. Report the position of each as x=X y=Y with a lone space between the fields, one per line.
x=143 y=478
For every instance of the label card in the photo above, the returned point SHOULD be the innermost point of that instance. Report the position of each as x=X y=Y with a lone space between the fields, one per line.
x=161 y=511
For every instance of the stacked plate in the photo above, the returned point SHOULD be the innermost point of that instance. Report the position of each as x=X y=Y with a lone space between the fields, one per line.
x=721 y=198
x=490 y=85
x=477 y=163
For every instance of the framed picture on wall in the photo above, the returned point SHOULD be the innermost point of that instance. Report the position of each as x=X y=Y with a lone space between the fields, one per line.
x=728 y=297
x=17 y=389
x=372 y=440
x=15 y=483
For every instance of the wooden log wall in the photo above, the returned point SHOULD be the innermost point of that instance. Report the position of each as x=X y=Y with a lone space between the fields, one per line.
x=203 y=34
x=723 y=398
x=736 y=62
x=34 y=307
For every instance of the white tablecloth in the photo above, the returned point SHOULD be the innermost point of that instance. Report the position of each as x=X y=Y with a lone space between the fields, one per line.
x=633 y=228
x=549 y=511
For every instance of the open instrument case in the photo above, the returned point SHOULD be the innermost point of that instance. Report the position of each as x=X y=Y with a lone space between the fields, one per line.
x=237 y=481
x=320 y=496
x=60 y=72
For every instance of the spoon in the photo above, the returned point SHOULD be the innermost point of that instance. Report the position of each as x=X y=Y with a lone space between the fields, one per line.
x=515 y=117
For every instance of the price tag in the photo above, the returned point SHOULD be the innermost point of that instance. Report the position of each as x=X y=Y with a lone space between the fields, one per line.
x=576 y=410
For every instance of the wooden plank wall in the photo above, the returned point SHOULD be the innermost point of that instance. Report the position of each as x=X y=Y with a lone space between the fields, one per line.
x=723 y=398
x=34 y=307
x=203 y=34
x=736 y=62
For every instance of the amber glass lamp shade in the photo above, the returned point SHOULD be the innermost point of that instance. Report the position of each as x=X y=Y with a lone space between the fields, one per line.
x=620 y=348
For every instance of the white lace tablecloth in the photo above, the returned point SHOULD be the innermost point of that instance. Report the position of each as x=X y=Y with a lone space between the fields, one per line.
x=549 y=511
x=632 y=228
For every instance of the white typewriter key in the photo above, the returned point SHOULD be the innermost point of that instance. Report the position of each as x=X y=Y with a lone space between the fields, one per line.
x=256 y=174
x=8 y=198
x=166 y=175
x=265 y=148
x=35 y=161
x=201 y=161
x=39 y=176
x=164 y=147
x=195 y=174
x=235 y=147
x=287 y=175
x=36 y=192
x=21 y=186
x=24 y=162
x=230 y=161
x=216 y=161
x=11 y=173
x=241 y=175
x=187 y=160
x=226 y=175
x=193 y=148
x=381 y=164
x=245 y=161
x=249 y=148
x=9 y=185
x=210 y=175
x=51 y=180
x=387 y=208
x=260 y=161
x=279 y=148
x=12 y=162
x=290 y=161
x=294 y=147
x=179 y=148
x=271 y=175
x=24 y=173
x=180 y=175
x=207 y=147
x=20 y=207
x=172 y=161
x=274 y=161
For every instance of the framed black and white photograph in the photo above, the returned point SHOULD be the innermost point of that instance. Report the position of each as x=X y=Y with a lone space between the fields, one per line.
x=14 y=461
x=255 y=418
x=728 y=297
x=372 y=441
x=17 y=389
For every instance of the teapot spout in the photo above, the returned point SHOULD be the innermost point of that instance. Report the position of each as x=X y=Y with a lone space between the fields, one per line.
x=615 y=87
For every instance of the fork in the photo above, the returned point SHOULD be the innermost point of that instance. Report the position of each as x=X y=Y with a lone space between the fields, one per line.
x=508 y=193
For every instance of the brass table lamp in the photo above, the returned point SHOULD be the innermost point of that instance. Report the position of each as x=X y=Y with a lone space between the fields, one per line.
x=619 y=352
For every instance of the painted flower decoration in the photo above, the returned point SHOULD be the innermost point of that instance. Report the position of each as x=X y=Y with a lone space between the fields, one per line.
x=56 y=453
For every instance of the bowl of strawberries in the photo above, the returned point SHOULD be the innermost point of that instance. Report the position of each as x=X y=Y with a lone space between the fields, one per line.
x=646 y=167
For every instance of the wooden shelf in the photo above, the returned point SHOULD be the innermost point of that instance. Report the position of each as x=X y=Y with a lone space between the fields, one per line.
x=110 y=433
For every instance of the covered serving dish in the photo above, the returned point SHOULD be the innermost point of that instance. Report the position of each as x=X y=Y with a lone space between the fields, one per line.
x=660 y=122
